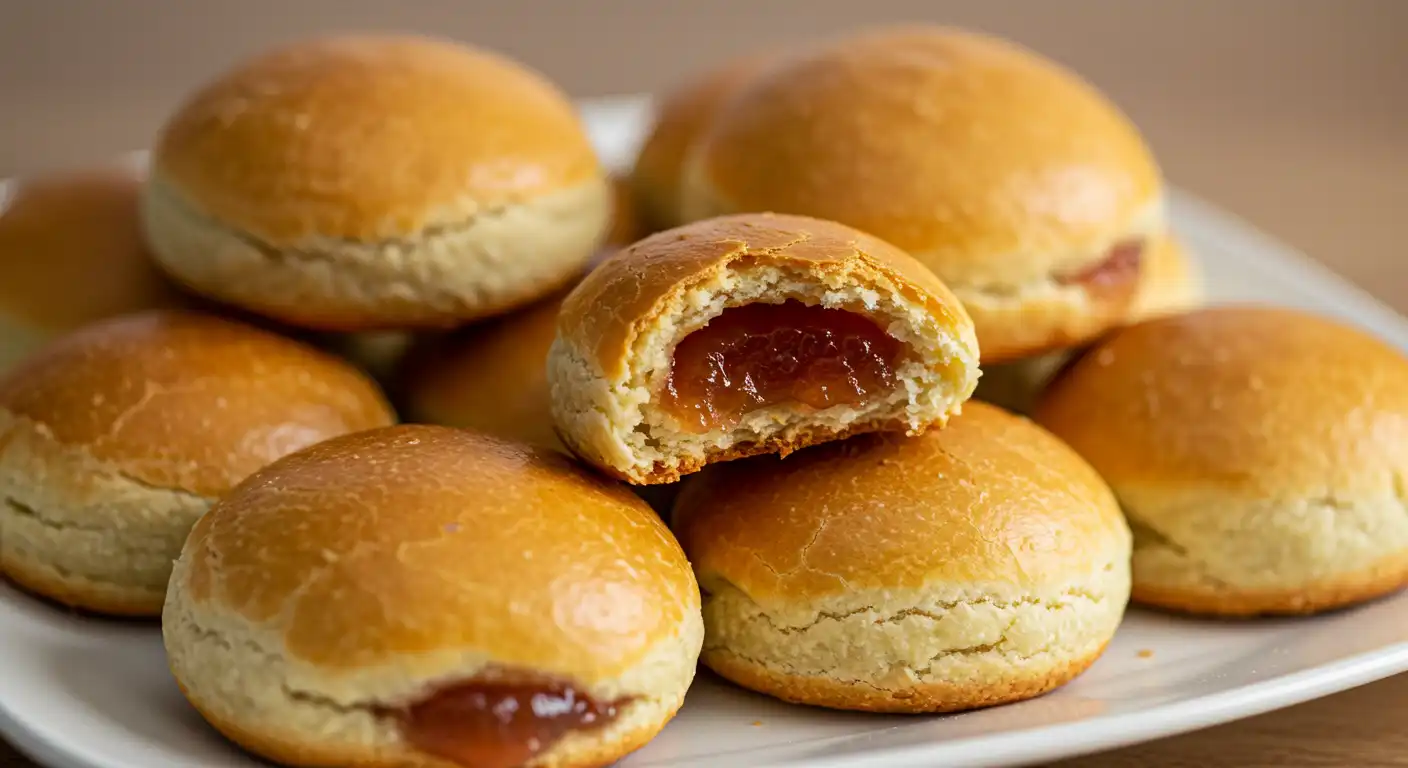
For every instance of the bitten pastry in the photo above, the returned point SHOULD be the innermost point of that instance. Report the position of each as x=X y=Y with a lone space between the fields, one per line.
x=752 y=334
x=117 y=437
x=376 y=182
x=71 y=252
x=1025 y=190
x=425 y=597
x=1172 y=283
x=1260 y=454
x=681 y=115
x=979 y=564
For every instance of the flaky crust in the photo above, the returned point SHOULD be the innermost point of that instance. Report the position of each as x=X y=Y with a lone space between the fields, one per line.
x=618 y=327
x=490 y=261
x=1382 y=578
x=80 y=531
x=424 y=556
x=58 y=229
x=1259 y=453
x=370 y=137
x=975 y=564
x=930 y=697
x=989 y=163
x=681 y=115
x=80 y=593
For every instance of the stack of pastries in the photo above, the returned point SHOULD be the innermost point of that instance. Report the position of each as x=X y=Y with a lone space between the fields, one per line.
x=407 y=519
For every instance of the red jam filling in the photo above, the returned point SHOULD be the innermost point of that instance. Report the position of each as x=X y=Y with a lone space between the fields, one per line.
x=501 y=724
x=760 y=355
x=1116 y=275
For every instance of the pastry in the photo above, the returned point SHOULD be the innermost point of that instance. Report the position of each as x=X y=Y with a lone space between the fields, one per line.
x=376 y=183
x=681 y=115
x=976 y=565
x=1172 y=283
x=1023 y=188
x=115 y=438
x=426 y=597
x=1260 y=455
x=752 y=334
x=71 y=253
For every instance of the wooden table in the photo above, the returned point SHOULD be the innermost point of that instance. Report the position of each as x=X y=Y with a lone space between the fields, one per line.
x=1291 y=113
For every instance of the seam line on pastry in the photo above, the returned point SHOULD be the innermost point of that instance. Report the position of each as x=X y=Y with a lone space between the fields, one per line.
x=938 y=611
x=318 y=253
x=1146 y=536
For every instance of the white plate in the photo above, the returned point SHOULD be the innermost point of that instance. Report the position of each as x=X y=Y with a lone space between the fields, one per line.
x=83 y=693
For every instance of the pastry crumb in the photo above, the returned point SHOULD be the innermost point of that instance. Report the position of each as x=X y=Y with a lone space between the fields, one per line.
x=1145 y=653
x=757 y=723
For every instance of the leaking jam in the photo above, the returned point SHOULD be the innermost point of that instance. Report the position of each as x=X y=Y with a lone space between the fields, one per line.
x=501 y=723
x=759 y=355
x=1117 y=275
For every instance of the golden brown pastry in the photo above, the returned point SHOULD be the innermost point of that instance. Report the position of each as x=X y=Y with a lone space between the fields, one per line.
x=1025 y=190
x=425 y=597
x=71 y=253
x=116 y=438
x=376 y=182
x=752 y=334
x=490 y=377
x=681 y=115
x=979 y=564
x=1171 y=283
x=1260 y=455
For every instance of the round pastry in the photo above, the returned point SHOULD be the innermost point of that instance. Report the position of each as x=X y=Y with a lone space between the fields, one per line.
x=71 y=252
x=1260 y=455
x=426 y=597
x=681 y=115
x=490 y=377
x=975 y=565
x=376 y=182
x=1171 y=283
x=116 y=438
x=1025 y=190
x=752 y=334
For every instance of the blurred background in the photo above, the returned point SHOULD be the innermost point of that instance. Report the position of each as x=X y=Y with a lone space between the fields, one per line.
x=1291 y=113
